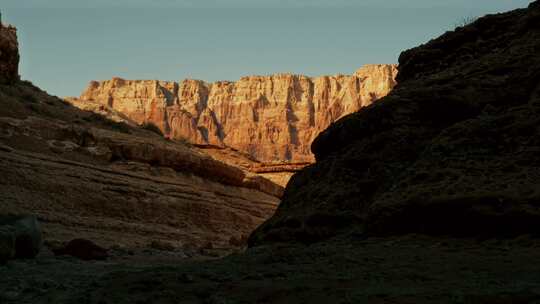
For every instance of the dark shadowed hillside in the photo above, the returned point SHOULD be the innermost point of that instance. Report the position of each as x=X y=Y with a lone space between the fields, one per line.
x=454 y=149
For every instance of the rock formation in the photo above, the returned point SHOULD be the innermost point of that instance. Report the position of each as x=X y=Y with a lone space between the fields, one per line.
x=272 y=118
x=454 y=149
x=9 y=54
x=85 y=250
x=20 y=237
x=89 y=177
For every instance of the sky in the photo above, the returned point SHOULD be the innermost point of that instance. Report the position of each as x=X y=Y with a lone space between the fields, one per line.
x=65 y=44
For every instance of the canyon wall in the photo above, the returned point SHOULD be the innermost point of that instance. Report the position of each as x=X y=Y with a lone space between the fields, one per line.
x=9 y=54
x=272 y=118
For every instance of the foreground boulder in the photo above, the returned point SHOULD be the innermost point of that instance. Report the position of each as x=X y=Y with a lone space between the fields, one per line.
x=85 y=250
x=454 y=149
x=20 y=237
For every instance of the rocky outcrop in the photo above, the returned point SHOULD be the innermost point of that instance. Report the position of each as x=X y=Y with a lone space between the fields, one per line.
x=279 y=173
x=9 y=54
x=272 y=118
x=454 y=149
x=101 y=109
x=85 y=250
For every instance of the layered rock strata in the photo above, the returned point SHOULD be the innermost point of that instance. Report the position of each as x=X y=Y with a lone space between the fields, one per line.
x=454 y=149
x=272 y=118
x=88 y=177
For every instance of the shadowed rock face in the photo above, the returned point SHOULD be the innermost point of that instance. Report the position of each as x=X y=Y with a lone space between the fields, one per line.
x=272 y=118
x=454 y=149
x=9 y=55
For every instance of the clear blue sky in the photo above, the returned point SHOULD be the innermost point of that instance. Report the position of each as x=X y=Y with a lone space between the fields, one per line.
x=67 y=43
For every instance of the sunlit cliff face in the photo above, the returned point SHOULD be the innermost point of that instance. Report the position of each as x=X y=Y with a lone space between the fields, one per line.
x=273 y=118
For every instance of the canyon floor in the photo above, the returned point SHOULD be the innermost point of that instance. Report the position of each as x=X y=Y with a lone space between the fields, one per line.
x=348 y=269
